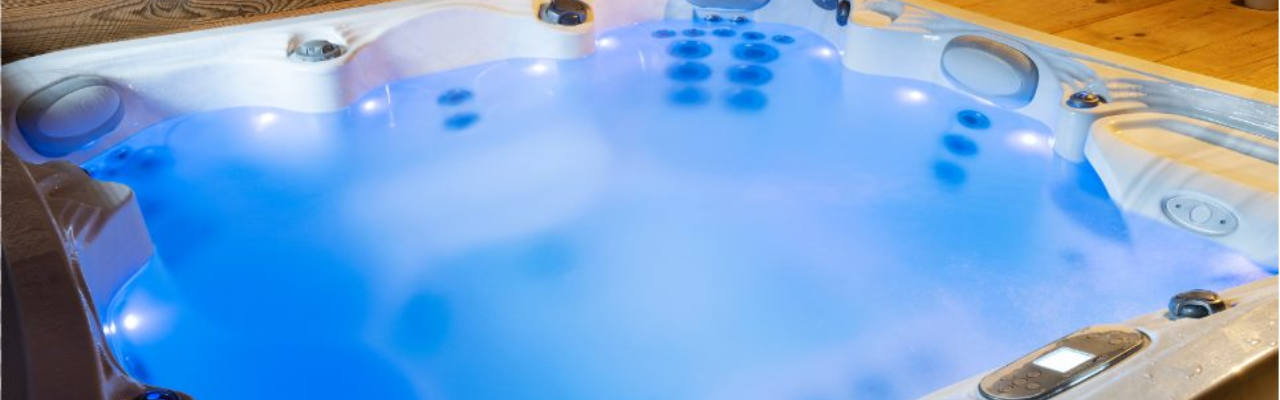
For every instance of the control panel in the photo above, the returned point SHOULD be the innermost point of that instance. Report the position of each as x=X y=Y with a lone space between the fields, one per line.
x=1063 y=364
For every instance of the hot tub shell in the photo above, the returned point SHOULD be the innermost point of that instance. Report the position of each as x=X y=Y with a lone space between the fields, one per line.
x=72 y=239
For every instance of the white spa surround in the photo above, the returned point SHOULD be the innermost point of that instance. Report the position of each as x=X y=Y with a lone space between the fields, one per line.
x=1150 y=114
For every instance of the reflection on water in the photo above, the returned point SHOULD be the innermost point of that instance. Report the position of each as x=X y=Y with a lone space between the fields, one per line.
x=720 y=214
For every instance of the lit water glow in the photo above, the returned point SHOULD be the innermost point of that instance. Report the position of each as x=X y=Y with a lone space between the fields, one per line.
x=724 y=213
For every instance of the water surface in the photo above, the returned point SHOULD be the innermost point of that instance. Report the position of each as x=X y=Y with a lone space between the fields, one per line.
x=710 y=212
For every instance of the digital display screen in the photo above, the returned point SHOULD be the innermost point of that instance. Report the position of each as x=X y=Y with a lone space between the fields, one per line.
x=1063 y=359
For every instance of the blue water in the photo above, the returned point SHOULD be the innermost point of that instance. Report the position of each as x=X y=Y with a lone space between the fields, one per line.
x=719 y=213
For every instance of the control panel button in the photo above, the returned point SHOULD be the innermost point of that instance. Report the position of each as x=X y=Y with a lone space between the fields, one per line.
x=1200 y=214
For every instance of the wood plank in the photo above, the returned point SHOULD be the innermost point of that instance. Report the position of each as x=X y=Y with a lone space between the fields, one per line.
x=343 y=4
x=1249 y=58
x=34 y=27
x=966 y=4
x=1055 y=15
x=1171 y=28
x=1223 y=40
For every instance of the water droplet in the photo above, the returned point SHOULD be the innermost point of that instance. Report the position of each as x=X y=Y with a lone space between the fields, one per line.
x=1196 y=369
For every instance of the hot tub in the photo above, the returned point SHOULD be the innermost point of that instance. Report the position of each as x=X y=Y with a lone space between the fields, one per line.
x=632 y=199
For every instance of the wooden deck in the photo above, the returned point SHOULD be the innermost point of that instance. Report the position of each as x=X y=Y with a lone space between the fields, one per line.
x=1211 y=37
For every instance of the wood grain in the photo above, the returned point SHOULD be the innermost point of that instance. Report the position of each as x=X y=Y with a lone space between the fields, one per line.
x=1171 y=28
x=1054 y=15
x=32 y=27
x=1248 y=58
x=1212 y=37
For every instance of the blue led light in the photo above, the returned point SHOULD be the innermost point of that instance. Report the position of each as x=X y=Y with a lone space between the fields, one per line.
x=755 y=52
x=689 y=71
x=690 y=49
x=973 y=119
x=753 y=75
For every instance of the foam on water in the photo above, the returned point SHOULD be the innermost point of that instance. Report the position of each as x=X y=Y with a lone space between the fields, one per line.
x=694 y=212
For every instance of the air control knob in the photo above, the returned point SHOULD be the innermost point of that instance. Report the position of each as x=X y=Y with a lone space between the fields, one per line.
x=1196 y=304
